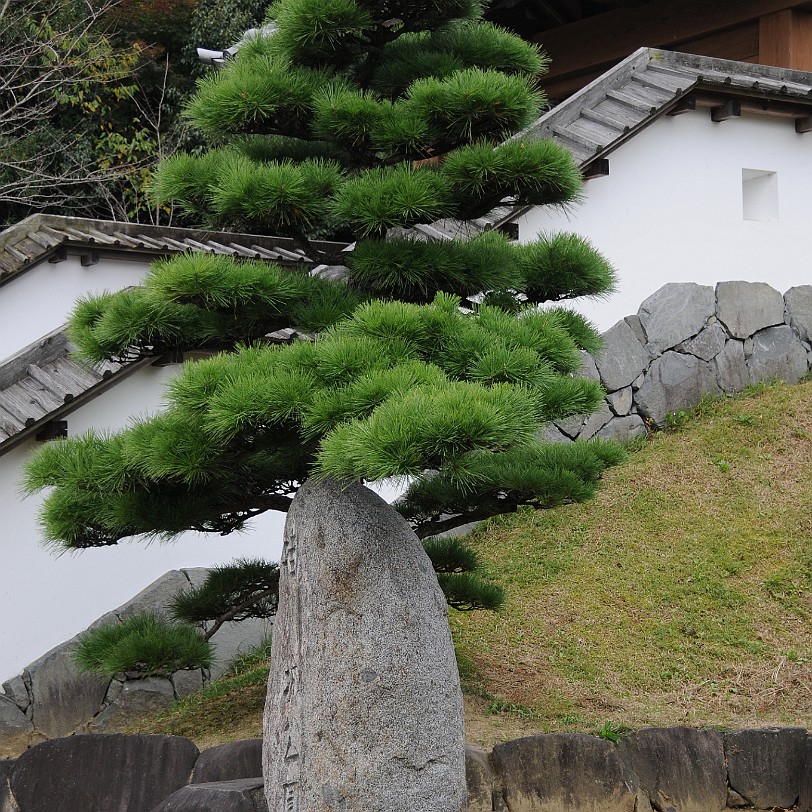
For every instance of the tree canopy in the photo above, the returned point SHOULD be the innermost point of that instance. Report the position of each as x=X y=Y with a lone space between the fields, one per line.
x=350 y=121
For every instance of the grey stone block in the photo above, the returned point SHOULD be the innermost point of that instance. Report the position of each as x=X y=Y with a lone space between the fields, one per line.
x=594 y=422
x=562 y=771
x=681 y=769
x=730 y=367
x=623 y=429
x=589 y=368
x=634 y=322
x=16 y=731
x=798 y=303
x=747 y=307
x=777 y=353
x=805 y=790
x=63 y=698
x=570 y=427
x=550 y=433
x=239 y=795
x=621 y=402
x=17 y=691
x=480 y=779
x=674 y=381
x=234 y=639
x=137 y=698
x=675 y=313
x=5 y=792
x=707 y=344
x=157 y=596
x=187 y=681
x=765 y=766
x=225 y=762
x=364 y=709
x=622 y=358
x=114 y=773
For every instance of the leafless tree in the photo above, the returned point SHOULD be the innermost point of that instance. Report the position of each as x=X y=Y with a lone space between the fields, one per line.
x=52 y=53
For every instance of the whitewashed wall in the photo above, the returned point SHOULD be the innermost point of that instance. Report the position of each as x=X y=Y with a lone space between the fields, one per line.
x=40 y=299
x=45 y=599
x=671 y=209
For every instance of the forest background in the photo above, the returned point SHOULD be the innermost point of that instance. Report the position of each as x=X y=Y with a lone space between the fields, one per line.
x=91 y=93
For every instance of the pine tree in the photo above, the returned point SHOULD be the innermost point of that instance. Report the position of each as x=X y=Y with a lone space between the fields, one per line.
x=354 y=121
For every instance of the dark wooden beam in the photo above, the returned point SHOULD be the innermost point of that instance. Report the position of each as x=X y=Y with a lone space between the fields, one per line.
x=803 y=125
x=729 y=109
x=599 y=168
x=52 y=430
x=598 y=42
x=685 y=105
x=785 y=39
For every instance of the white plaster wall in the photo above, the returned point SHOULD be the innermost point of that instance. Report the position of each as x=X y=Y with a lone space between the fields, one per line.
x=38 y=301
x=671 y=209
x=47 y=599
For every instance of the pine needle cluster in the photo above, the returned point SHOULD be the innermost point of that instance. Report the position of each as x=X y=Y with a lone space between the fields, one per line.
x=354 y=121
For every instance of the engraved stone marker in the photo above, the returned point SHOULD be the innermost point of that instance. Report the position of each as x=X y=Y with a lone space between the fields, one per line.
x=364 y=709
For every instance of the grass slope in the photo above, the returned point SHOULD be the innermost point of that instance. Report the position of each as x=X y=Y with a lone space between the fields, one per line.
x=680 y=595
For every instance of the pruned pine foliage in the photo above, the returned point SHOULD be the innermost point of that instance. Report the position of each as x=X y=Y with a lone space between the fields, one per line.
x=432 y=362
x=232 y=592
x=146 y=643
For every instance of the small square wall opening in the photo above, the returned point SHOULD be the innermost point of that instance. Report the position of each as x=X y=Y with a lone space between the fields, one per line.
x=760 y=195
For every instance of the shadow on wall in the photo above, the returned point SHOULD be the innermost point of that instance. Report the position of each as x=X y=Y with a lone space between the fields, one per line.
x=688 y=341
x=51 y=698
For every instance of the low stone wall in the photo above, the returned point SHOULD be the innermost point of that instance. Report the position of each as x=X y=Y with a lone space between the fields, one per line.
x=665 y=769
x=51 y=698
x=687 y=341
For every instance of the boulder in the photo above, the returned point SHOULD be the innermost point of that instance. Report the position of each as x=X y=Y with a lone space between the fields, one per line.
x=364 y=710
x=187 y=681
x=707 y=344
x=594 y=422
x=559 y=772
x=480 y=779
x=798 y=303
x=622 y=358
x=550 y=433
x=623 y=429
x=5 y=792
x=158 y=596
x=674 y=381
x=236 y=638
x=17 y=691
x=681 y=769
x=765 y=766
x=621 y=401
x=225 y=762
x=747 y=307
x=63 y=698
x=16 y=731
x=805 y=790
x=777 y=353
x=114 y=773
x=137 y=698
x=239 y=795
x=730 y=367
x=675 y=313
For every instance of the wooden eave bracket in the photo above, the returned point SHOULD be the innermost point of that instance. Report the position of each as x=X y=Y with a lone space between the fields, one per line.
x=599 y=168
x=732 y=108
x=51 y=430
x=803 y=125
x=685 y=105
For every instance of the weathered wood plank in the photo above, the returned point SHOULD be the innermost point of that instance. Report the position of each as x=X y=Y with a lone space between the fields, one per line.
x=39 y=395
x=620 y=123
x=785 y=39
x=632 y=101
x=43 y=351
x=18 y=406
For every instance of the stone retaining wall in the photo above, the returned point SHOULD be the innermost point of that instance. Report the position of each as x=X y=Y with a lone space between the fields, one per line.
x=51 y=698
x=667 y=769
x=687 y=341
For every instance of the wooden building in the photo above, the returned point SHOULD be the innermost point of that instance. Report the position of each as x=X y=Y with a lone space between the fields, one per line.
x=586 y=37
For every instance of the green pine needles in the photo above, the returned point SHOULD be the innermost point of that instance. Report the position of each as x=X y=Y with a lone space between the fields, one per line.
x=435 y=362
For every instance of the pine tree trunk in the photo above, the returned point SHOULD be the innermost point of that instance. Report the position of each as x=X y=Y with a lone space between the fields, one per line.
x=364 y=710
